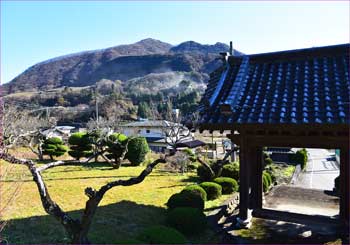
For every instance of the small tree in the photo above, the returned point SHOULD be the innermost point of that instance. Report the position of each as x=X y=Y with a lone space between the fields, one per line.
x=54 y=147
x=117 y=146
x=137 y=150
x=80 y=145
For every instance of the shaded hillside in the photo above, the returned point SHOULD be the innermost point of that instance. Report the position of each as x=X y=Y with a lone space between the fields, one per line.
x=122 y=62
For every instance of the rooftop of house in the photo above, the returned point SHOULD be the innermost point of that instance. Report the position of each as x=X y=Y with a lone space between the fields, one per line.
x=305 y=86
x=150 y=123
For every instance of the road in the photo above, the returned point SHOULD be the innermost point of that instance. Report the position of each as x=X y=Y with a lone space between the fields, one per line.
x=320 y=172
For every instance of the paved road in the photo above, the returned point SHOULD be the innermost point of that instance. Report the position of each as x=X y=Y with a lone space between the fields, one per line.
x=320 y=172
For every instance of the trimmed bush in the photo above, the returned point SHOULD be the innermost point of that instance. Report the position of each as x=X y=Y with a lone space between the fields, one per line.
x=196 y=189
x=203 y=173
x=231 y=170
x=79 y=138
x=212 y=189
x=54 y=141
x=117 y=137
x=161 y=235
x=187 y=220
x=228 y=185
x=80 y=145
x=54 y=147
x=137 y=150
x=186 y=199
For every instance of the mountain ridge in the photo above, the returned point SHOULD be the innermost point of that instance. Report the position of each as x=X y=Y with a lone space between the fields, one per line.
x=121 y=62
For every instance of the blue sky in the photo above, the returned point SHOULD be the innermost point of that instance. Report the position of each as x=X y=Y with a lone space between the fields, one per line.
x=36 y=31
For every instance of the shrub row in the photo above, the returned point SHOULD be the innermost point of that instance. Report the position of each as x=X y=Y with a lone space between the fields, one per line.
x=82 y=146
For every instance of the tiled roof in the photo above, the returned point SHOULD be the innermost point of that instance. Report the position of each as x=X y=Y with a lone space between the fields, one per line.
x=307 y=86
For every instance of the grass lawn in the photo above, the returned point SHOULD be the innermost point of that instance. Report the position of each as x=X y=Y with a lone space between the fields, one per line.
x=122 y=214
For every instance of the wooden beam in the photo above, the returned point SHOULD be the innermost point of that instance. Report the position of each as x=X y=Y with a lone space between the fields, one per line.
x=244 y=176
x=256 y=180
x=344 y=184
x=326 y=142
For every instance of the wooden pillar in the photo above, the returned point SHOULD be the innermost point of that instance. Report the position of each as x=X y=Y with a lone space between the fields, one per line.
x=344 y=184
x=256 y=179
x=244 y=180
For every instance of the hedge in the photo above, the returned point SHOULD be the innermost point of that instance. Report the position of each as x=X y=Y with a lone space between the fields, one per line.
x=187 y=220
x=212 y=189
x=228 y=185
x=161 y=235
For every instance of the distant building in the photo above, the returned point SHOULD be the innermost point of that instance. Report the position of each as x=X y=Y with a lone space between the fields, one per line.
x=156 y=132
x=280 y=154
x=62 y=132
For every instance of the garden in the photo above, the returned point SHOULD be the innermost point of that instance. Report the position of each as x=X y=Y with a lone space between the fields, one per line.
x=164 y=207
x=151 y=198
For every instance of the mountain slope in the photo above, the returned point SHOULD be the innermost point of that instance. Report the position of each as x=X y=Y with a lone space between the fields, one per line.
x=123 y=62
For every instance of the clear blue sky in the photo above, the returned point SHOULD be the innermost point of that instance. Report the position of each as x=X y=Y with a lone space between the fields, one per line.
x=35 y=31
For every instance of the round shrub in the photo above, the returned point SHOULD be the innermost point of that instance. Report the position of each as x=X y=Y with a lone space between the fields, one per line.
x=196 y=189
x=161 y=235
x=212 y=189
x=137 y=150
x=187 y=220
x=228 y=185
x=186 y=199
x=231 y=170
x=203 y=173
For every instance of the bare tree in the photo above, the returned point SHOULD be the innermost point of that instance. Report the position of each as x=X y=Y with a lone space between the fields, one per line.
x=77 y=229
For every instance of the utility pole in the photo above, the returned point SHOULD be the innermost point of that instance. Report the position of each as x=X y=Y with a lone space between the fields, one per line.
x=96 y=103
x=47 y=113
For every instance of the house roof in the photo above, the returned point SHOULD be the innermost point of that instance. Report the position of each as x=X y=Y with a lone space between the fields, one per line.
x=149 y=123
x=306 y=86
x=191 y=144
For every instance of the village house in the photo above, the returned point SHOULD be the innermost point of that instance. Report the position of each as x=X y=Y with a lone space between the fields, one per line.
x=157 y=133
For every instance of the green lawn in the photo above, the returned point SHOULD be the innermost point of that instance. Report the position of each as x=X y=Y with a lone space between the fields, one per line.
x=122 y=214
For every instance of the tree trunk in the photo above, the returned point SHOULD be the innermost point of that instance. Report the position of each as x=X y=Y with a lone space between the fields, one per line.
x=116 y=163
x=80 y=238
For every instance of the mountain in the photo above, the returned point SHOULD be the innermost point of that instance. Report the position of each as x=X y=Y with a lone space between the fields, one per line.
x=123 y=62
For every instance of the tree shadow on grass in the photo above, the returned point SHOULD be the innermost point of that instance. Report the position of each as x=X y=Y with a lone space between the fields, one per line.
x=193 y=179
x=112 y=223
